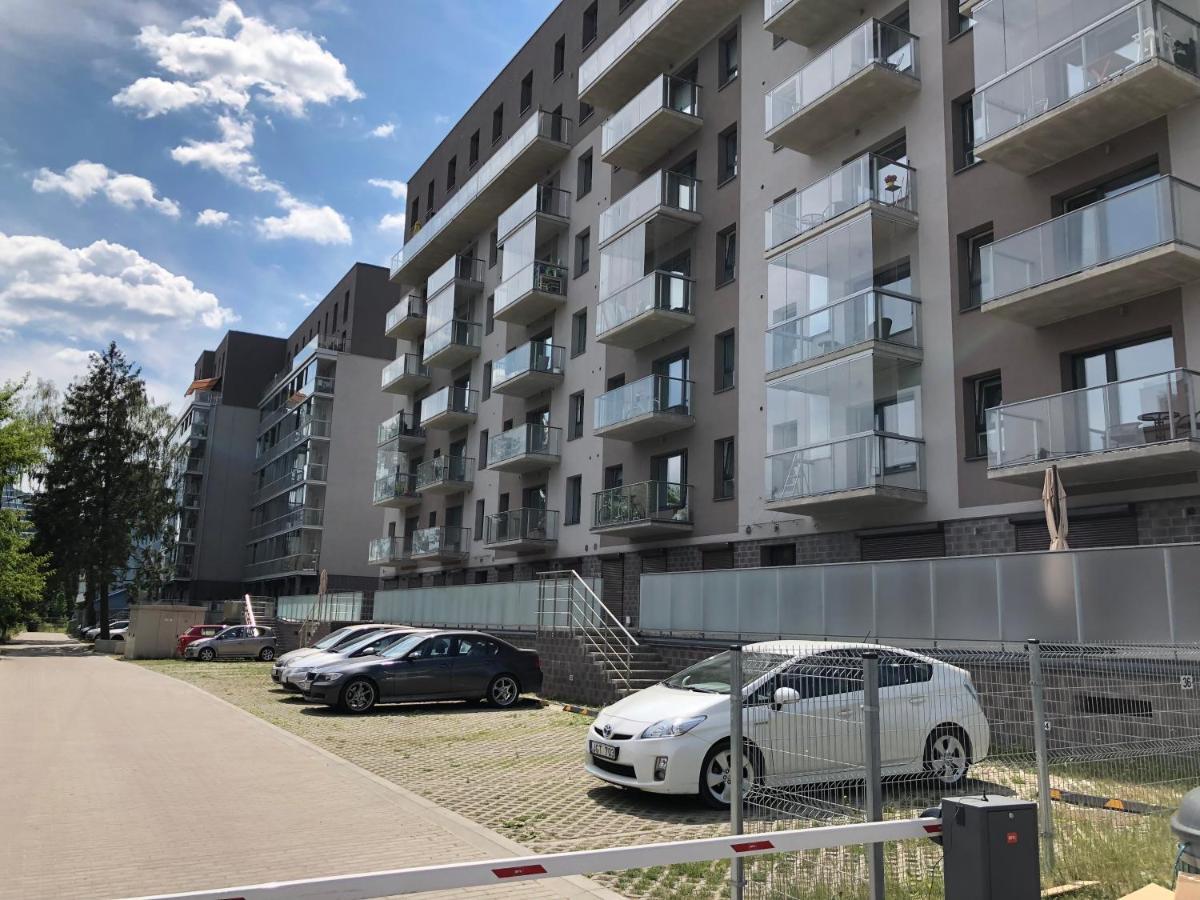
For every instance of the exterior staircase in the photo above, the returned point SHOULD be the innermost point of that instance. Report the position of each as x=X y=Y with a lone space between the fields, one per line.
x=646 y=668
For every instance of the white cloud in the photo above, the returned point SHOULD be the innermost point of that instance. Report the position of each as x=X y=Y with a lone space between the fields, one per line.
x=319 y=224
x=229 y=60
x=212 y=218
x=392 y=222
x=85 y=179
x=385 y=130
x=398 y=189
x=440 y=119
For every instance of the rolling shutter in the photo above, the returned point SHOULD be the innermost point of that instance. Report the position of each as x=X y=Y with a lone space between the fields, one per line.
x=1083 y=531
x=919 y=545
x=612 y=584
x=717 y=559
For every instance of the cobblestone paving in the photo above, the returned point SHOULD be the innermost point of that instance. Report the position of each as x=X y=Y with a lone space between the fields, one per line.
x=518 y=772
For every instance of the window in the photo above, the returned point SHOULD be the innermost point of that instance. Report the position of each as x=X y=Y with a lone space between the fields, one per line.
x=585 y=111
x=583 y=252
x=560 y=55
x=489 y=318
x=982 y=393
x=727 y=58
x=416 y=210
x=959 y=23
x=778 y=555
x=578 y=333
x=575 y=423
x=726 y=360
x=723 y=469
x=526 y=92
x=478 y=520
x=583 y=175
x=497 y=123
x=574 y=499
x=972 y=256
x=590 y=22
x=726 y=255
x=473 y=157
x=483 y=449
x=493 y=249
x=964 y=132
x=451 y=173
x=429 y=198
x=614 y=477
x=487 y=380
x=727 y=155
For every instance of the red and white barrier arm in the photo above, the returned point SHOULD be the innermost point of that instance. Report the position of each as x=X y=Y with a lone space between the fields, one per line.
x=581 y=862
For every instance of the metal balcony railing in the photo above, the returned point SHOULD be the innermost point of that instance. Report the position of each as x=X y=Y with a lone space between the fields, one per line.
x=285 y=565
x=525 y=524
x=395 y=485
x=443 y=541
x=285 y=482
x=646 y=501
x=443 y=469
x=403 y=424
x=298 y=517
x=386 y=551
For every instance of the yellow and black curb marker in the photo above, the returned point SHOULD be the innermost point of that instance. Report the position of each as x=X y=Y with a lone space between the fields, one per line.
x=1113 y=803
x=580 y=710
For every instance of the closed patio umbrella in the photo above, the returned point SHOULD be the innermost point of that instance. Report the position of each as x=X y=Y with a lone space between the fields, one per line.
x=1054 y=499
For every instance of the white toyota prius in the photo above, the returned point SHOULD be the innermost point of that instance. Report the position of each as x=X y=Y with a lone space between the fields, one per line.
x=803 y=722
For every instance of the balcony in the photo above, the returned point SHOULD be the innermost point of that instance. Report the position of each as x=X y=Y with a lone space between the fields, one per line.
x=643 y=409
x=406 y=320
x=884 y=322
x=308 y=428
x=549 y=208
x=536 y=291
x=312 y=472
x=406 y=375
x=871 y=183
x=659 y=34
x=188 y=501
x=298 y=517
x=1134 y=244
x=183 y=571
x=526 y=448
x=296 y=564
x=863 y=472
x=396 y=490
x=533 y=149
x=872 y=68
x=453 y=344
x=450 y=408
x=460 y=272
x=522 y=530
x=446 y=475
x=807 y=22
x=663 y=115
x=401 y=432
x=388 y=551
x=530 y=369
x=447 y=543
x=1140 y=428
x=1130 y=68
x=650 y=309
x=665 y=203
x=647 y=509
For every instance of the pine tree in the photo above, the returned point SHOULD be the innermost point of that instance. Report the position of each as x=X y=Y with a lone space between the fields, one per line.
x=22 y=572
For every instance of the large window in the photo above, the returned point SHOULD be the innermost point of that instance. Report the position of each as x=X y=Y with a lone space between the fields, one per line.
x=590 y=24
x=575 y=421
x=583 y=252
x=497 y=123
x=526 y=92
x=451 y=173
x=727 y=155
x=726 y=360
x=583 y=172
x=724 y=469
x=972 y=257
x=727 y=58
x=473 y=156
x=726 y=255
x=560 y=55
x=579 y=333
x=964 y=132
x=982 y=393
x=574 y=500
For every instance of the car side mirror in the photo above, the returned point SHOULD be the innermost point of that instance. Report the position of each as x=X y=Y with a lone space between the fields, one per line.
x=784 y=696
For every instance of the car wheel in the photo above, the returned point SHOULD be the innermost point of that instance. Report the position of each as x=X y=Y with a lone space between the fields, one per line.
x=504 y=691
x=207 y=654
x=359 y=696
x=267 y=654
x=947 y=755
x=716 y=775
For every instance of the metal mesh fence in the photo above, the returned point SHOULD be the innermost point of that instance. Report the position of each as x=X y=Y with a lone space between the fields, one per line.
x=1108 y=737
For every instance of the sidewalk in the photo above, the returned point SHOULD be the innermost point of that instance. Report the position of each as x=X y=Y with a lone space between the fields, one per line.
x=120 y=782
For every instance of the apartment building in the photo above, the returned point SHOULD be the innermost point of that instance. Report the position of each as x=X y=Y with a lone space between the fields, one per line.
x=709 y=283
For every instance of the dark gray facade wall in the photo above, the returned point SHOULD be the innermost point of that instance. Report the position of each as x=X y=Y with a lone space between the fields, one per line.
x=362 y=298
x=247 y=363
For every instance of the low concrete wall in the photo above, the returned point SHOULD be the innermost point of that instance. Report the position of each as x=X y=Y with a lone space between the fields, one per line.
x=116 y=648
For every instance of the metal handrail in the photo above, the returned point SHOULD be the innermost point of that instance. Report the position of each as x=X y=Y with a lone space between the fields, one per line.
x=609 y=638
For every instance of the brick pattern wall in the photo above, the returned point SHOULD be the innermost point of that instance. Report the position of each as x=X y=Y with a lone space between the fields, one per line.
x=832 y=547
x=972 y=537
x=1173 y=521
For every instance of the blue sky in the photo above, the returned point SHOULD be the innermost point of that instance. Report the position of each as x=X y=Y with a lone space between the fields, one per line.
x=171 y=170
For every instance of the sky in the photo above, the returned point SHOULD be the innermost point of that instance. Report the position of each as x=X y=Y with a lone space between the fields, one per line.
x=171 y=170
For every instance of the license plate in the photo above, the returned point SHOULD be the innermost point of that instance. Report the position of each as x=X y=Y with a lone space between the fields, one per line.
x=604 y=751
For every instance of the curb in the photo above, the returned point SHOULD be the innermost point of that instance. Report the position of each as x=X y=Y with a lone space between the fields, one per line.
x=1113 y=803
x=581 y=710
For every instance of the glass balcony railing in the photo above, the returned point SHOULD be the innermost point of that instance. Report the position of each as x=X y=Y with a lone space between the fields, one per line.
x=299 y=517
x=284 y=565
x=1158 y=212
x=395 y=485
x=442 y=469
x=664 y=92
x=538 y=199
x=456 y=268
x=308 y=427
x=385 y=551
x=870 y=178
x=525 y=440
x=401 y=425
x=451 y=399
x=658 y=290
x=457 y=333
x=525 y=524
x=873 y=315
x=534 y=356
x=543 y=277
x=298 y=475
x=542 y=124
x=411 y=307
x=848 y=464
x=443 y=541
x=646 y=501
x=872 y=43
x=407 y=366
x=652 y=394
x=1117 y=43
x=644 y=18
x=663 y=188
x=1139 y=412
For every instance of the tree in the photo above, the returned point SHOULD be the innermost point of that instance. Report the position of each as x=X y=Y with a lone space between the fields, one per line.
x=22 y=572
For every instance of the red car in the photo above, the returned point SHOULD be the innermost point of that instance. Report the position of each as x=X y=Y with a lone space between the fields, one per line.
x=195 y=633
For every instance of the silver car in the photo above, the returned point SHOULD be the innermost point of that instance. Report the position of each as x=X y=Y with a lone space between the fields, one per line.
x=335 y=639
x=296 y=671
x=252 y=641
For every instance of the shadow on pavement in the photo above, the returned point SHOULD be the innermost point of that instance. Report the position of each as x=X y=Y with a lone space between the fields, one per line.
x=44 y=644
x=440 y=708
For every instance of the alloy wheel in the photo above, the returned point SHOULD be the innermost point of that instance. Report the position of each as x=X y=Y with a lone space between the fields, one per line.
x=504 y=691
x=360 y=696
x=718 y=776
x=948 y=759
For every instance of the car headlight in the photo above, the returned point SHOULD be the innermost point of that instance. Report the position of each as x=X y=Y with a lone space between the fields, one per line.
x=671 y=727
x=328 y=676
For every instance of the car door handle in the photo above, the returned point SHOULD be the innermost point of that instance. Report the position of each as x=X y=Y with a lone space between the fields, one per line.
x=916 y=701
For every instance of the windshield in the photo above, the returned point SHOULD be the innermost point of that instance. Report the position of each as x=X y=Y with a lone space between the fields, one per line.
x=331 y=639
x=351 y=648
x=711 y=676
x=400 y=648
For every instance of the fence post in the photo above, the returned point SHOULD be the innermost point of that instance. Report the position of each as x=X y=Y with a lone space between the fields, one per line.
x=1037 y=689
x=873 y=773
x=736 y=873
